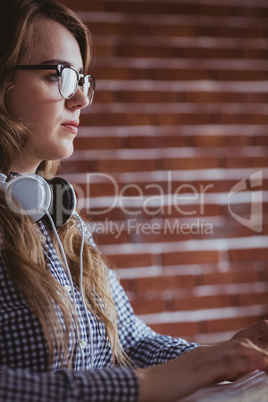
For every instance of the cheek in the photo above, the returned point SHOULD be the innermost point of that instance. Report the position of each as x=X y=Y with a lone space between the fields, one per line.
x=19 y=102
x=30 y=107
x=28 y=99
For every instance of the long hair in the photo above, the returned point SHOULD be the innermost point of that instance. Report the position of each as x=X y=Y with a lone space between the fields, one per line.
x=28 y=270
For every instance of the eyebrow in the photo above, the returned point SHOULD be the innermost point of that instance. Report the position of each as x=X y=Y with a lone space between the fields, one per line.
x=59 y=61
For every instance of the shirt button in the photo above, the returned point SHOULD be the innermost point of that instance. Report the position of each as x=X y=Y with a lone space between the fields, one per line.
x=42 y=238
x=83 y=345
x=67 y=288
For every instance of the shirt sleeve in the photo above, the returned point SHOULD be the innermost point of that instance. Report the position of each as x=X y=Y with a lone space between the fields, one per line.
x=143 y=345
x=103 y=385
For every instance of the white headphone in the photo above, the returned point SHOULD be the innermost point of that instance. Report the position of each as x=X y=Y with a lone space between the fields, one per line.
x=30 y=191
x=36 y=196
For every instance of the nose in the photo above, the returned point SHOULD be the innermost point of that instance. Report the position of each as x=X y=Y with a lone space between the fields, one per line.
x=78 y=101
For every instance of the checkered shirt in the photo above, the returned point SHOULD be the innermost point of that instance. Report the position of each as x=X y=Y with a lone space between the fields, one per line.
x=24 y=372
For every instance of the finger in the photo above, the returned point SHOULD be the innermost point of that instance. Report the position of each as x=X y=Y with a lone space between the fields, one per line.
x=247 y=344
x=254 y=332
x=241 y=357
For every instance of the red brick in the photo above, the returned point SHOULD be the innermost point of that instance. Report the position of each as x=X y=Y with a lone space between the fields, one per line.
x=104 y=96
x=125 y=165
x=156 y=142
x=226 y=231
x=205 y=302
x=241 y=75
x=231 y=324
x=242 y=210
x=128 y=284
x=218 y=141
x=243 y=119
x=249 y=254
x=156 y=234
x=113 y=119
x=145 y=96
x=181 y=329
x=190 y=163
x=210 y=186
x=238 y=31
x=106 y=188
x=253 y=97
x=117 y=73
x=203 y=53
x=131 y=260
x=182 y=74
x=228 y=277
x=135 y=50
x=238 y=162
x=184 y=118
x=111 y=238
x=265 y=207
x=165 y=282
x=260 y=140
x=145 y=306
x=97 y=142
x=122 y=28
x=179 y=210
x=191 y=257
x=252 y=53
x=117 y=214
x=249 y=299
x=179 y=30
x=210 y=97
x=76 y=167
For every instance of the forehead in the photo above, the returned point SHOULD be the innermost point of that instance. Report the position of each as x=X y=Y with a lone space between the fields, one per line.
x=52 y=41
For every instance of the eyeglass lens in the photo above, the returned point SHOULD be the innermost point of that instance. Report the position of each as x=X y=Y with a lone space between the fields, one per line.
x=69 y=81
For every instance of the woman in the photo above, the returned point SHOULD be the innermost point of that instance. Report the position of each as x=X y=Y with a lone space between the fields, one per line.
x=61 y=341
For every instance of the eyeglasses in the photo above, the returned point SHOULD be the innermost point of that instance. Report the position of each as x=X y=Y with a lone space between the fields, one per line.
x=69 y=79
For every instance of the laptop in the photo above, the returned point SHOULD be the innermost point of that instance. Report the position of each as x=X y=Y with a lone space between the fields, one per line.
x=250 y=388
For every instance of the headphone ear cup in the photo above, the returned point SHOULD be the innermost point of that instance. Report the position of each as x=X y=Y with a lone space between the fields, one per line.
x=31 y=192
x=64 y=200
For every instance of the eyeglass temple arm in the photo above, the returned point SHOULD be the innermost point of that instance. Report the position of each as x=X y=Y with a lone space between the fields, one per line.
x=38 y=67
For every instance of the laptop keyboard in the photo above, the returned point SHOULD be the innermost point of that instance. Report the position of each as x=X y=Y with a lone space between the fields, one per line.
x=251 y=388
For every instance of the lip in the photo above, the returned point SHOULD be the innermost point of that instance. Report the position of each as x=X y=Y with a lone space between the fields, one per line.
x=71 y=125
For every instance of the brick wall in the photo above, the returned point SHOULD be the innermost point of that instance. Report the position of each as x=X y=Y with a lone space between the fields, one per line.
x=171 y=164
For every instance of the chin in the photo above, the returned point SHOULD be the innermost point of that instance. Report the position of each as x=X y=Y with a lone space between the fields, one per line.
x=65 y=152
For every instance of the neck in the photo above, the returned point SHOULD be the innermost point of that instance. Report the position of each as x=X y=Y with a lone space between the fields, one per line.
x=24 y=166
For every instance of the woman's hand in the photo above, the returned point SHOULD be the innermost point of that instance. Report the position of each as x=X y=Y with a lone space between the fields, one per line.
x=200 y=367
x=257 y=333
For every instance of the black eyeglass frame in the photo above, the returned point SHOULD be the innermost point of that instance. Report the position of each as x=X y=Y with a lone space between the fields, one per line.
x=59 y=68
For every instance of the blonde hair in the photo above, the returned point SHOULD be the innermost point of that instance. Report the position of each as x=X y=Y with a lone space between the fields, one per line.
x=21 y=245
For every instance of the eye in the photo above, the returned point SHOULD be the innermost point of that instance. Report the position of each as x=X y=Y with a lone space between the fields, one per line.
x=52 y=77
